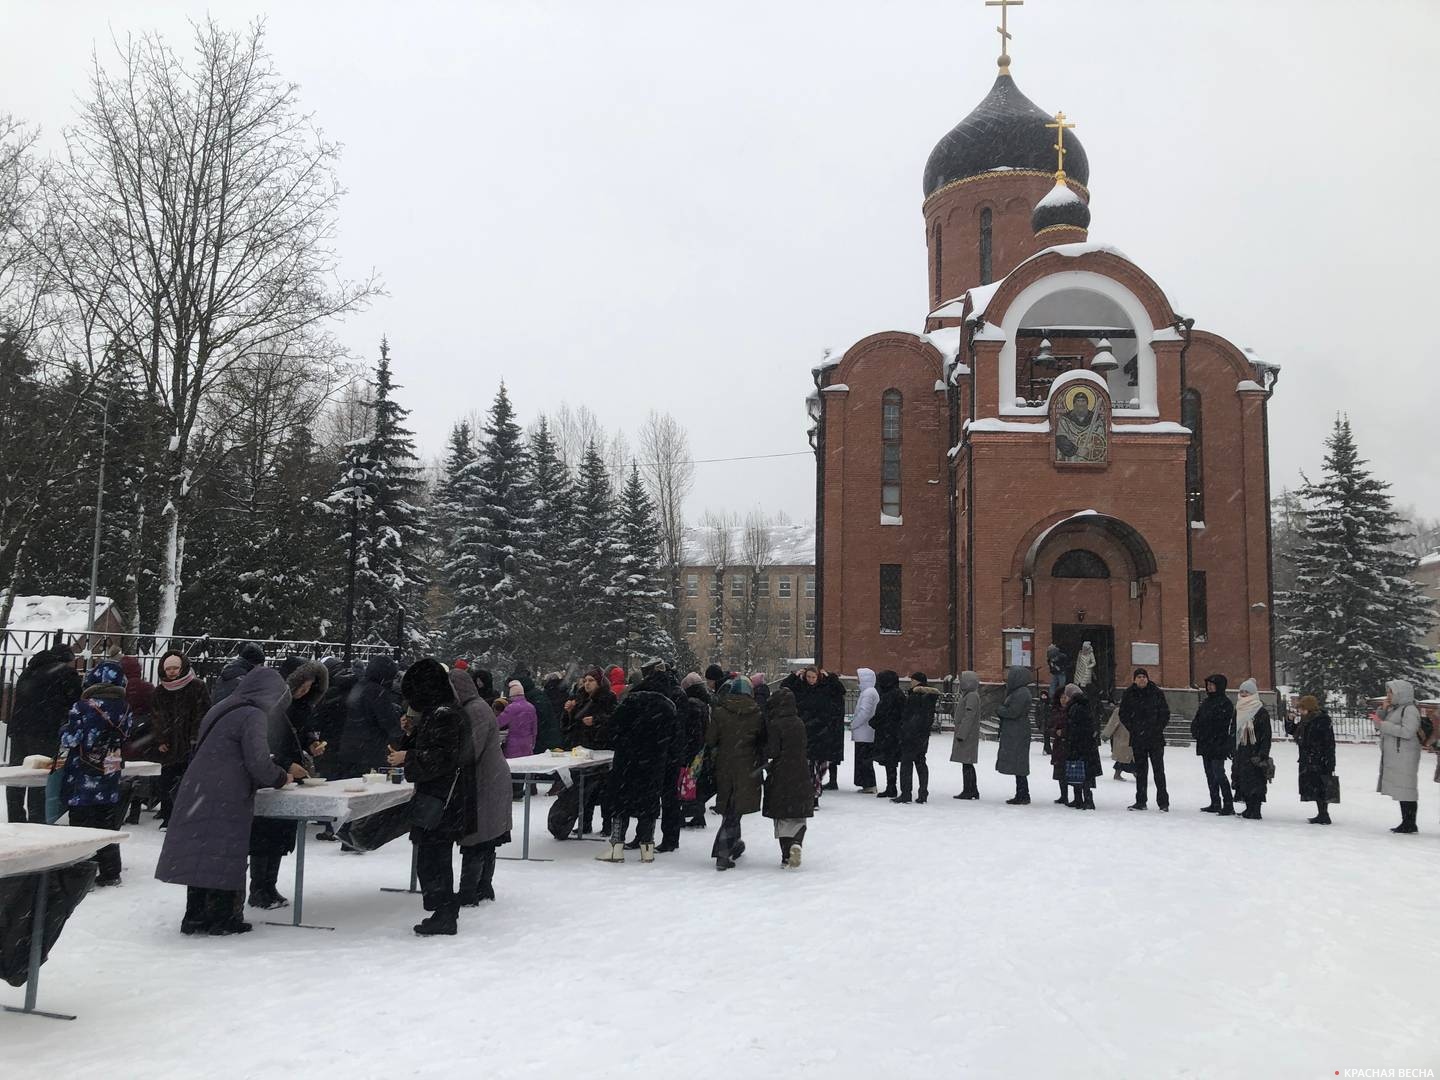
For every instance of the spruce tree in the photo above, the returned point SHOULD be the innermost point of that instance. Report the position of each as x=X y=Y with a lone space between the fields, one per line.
x=551 y=573
x=644 y=598
x=598 y=623
x=1354 y=619
x=493 y=549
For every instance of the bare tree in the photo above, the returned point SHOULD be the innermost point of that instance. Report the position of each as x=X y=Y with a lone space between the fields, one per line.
x=195 y=215
x=751 y=620
x=573 y=429
x=669 y=475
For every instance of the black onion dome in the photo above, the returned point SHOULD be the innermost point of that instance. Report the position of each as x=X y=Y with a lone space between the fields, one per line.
x=1006 y=130
x=1060 y=207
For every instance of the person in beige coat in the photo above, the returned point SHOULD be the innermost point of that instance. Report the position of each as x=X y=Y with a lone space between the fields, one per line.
x=966 y=747
x=1119 y=736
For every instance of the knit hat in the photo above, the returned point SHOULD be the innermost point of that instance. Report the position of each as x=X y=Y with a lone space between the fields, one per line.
x=693 y=679
x=757 y=679
x=515 y=689
x=252 y=652
x=715 y=673
x=461 y=665
x=106 y=673
x=1071 y=691
x=918 y=678
x=1140 y=671
x=652 y=666
x=426 y=685
x=1249 y=686
x=1309 y=704
x=740 y=685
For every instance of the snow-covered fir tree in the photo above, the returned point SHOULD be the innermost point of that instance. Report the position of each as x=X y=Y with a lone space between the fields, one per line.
x=493 y=549
x=550 y=578
x=380 y=485
x=1354 y=618
x=644 y=598
x=598 y=619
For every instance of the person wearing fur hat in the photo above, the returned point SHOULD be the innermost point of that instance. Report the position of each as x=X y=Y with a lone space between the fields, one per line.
x=247 y=658
x=433 y=751
x=293 y=746
x=1249 y=767
x=1314 y=735
x=90 y=759
x=178 y=705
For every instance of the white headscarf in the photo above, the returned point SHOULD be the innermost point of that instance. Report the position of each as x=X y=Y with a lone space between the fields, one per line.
x=1245 y=709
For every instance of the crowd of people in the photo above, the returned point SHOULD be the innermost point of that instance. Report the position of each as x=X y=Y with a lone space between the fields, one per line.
x=678 y=744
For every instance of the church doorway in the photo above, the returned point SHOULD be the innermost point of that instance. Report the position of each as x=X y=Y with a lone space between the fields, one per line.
x=1070 y=636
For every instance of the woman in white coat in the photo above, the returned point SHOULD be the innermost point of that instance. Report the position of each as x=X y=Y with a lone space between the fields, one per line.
x=862 y=734
x=1398 y=724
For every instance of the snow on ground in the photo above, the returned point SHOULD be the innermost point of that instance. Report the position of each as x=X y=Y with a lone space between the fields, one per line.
x=953 y=939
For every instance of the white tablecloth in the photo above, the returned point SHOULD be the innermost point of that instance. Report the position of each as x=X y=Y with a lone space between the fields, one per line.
x=330 y=802
x=27 y=849
x=559 y=766
x=19 y=776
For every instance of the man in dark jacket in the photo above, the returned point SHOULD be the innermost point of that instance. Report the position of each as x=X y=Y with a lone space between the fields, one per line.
x=658 y=676
x=547 y=720
x=247 y=659
x=46 y=689
x=1145 y=712
x=1213 y=730
x=887 y=722
x=915 y=738
x=643 y=727
x=372 y=720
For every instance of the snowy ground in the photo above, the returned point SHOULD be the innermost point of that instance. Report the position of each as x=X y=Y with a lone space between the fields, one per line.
x=953 y=939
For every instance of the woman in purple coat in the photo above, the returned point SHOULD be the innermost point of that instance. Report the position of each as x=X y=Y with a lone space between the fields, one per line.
x=521 y=721
x=208 y=839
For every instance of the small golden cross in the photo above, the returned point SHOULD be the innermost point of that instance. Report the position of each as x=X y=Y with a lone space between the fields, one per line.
x=1004 y=30
x=1060 y=126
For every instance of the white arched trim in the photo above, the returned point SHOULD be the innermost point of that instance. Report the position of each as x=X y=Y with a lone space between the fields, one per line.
x=1079 y=281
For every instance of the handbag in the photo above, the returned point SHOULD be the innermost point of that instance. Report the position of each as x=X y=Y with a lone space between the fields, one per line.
x=1267 y=766
x=1332 y=788
x=685 y=786
x=1075 y=771
x=427 y=811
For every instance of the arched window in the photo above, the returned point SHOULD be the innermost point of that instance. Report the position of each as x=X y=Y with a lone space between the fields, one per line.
x=1080 y=563
x=1191 y=416
x=937 y=256
x=890 y=454
x=985 y=220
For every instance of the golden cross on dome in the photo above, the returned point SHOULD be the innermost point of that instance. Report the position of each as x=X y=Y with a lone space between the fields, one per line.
x=1004 y=30
x=1060 y=126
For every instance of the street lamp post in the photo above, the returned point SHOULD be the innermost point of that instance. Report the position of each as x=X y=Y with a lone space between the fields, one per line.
x=99 y=508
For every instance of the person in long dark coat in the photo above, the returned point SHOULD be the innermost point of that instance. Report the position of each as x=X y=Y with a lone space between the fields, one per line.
x=888 y=721
x=489 y=823
x=179 y=703
x=663 y=680
x=1013 y=756
x=642 y=727
x=329 y=719
x=1081 y=745
x=788 y=800
x=1314 y=735
x=434 y=752
x=1213 y=730
x=1055 y=740
x=919 y=719
x=46 y=689
x=372 y=720
x=587 y=725
x=208 y=838
x=547 y=721
x=736 y=735
x=292 y=742
x=697 y=723
x=1252 y=750
x=1145 y=712
x=820 y=701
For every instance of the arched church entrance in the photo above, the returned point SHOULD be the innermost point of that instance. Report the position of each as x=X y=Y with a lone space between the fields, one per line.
x=1090 y=579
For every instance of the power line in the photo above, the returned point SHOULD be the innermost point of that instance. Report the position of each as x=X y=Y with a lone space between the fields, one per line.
x=716 y=460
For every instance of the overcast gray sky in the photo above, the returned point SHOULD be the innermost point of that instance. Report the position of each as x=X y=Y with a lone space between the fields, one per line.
x=679 y=205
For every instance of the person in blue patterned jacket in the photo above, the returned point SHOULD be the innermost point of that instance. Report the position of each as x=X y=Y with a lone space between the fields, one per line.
x=91 y=741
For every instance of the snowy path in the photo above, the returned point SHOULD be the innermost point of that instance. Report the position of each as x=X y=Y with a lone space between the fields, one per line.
x=953 y=939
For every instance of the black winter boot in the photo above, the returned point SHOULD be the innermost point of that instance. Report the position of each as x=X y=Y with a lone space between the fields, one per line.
x=487 y=875
x=786 y=843
x=1407 y=819
x=443 y=922
x=472 y=863
x=1064 y=799
x=223 y=913
x=1077 y=802
x=196 y=919
x=1323 y=817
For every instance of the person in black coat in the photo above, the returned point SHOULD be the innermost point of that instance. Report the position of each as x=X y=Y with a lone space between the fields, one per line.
x=1315 y=735
x=372 y=720
x=697 y=723
x=888 y=723
x=46 y=689
x=787 y=800
x=820 y=702
x=675 y=759
x=1249 y=769
x=247 y=659
x=1145 y=712
x=917 y=722
x=587 y=725
x=1213 y=730
x=329 y=716
x=643 y=727
x=433 y=751
x=292 y=741
x=1082 y=745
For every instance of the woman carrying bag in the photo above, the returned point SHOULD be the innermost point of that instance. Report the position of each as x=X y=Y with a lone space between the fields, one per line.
x=435 y=746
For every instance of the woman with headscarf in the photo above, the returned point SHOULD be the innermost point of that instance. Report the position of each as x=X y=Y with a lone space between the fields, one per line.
x=1397 y=722
x=965 y=749
x=178 y=705
x=587 y=725
x=735 y=736
x=787 y=777
x=1314 y=735
x=90 y=759
x=1082 y=750
x=433 y=751
x=1249 y=770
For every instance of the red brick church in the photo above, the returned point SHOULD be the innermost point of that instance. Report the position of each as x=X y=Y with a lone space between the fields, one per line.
x=1059 y=455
